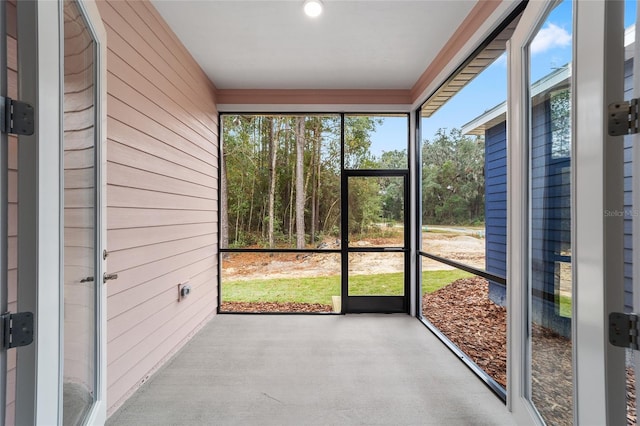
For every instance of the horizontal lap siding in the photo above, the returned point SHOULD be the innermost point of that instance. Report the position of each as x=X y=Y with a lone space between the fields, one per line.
x=496 y=196
x=12 y=231
x=162 y=194
x=550 y=212
x=628 y=197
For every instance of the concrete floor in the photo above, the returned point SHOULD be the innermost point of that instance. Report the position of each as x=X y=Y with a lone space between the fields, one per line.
x=313 y=370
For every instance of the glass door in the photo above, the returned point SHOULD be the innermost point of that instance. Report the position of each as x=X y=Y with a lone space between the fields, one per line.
x=375 y=276
x=80 y=217
x=80 y=196
x=82 y=203
x=550 y=284
x=567 y=214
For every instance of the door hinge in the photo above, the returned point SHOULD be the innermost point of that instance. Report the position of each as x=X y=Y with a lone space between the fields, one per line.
x=18 y=329
x=16 y=117
x=623 y=118
x=623 y=330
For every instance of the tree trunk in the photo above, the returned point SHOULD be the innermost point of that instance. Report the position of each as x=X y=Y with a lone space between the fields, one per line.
x=311 y=177
x=326 y=220
x=289 y=212
x=300 y=196
x=273 y=156
x=224 y=208
x=238 y=209
x=287 y=194
x=316 y=184
x=251 y=198
x=291 y=196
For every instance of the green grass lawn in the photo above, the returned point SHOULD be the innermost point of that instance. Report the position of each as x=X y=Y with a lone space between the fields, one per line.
x=565 y=306
x=434 y=280
x=320 y=289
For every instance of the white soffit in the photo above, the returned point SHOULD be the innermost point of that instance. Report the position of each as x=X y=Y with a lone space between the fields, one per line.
x=354 y=44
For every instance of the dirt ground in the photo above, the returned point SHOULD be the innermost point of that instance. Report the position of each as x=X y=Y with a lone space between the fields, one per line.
x=456 y=246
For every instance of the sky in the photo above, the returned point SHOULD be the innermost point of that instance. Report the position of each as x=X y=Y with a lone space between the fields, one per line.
x=549 y=50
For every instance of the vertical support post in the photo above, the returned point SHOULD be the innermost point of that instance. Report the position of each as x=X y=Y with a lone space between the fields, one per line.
x=344 y=224
x=417 y=176
x=597 y=238
x=27 y=208
x=38 y=367
x=411 y=220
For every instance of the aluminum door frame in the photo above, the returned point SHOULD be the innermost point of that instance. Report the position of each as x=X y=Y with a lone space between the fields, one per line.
x=374 y=304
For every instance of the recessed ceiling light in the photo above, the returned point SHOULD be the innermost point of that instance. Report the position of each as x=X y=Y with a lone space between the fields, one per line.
x=313 y=8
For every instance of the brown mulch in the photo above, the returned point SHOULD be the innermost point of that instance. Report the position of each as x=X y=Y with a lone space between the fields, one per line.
x=465 y=314
x=552 y=379
x=552 y=376
x=265 y=307
x=632 y=415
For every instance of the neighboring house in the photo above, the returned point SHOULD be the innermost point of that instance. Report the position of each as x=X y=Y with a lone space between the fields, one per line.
x=551 y=165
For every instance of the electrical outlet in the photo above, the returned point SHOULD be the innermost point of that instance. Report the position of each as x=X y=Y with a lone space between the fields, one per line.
x=184 y=290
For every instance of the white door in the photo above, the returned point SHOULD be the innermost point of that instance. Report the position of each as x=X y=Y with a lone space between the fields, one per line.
x=60 y=378
x=566 y=216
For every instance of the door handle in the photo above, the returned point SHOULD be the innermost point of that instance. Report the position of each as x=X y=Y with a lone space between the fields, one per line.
x=87 y=280
x=106 y=277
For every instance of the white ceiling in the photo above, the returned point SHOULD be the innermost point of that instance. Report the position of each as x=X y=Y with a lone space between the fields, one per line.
x=354 y=44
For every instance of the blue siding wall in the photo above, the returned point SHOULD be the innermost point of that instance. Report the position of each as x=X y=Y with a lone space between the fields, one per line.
x=550 y=216
x=496 y=207
x=551 y=205
x=550 y=222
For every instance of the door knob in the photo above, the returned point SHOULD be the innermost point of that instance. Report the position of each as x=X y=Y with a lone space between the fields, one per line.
x=106 y=277
x=87 y=280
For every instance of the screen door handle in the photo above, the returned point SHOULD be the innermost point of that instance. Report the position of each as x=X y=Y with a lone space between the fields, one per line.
x=108 y=277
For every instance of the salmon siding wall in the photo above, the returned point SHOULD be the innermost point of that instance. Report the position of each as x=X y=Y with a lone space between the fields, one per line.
x=12 y=232
x=162 y=159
